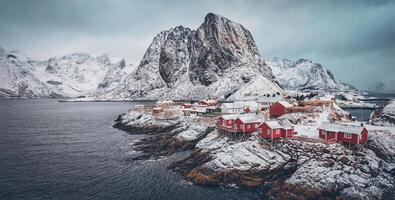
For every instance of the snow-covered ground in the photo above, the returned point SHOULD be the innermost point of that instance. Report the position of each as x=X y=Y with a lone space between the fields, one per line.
x=192 y=133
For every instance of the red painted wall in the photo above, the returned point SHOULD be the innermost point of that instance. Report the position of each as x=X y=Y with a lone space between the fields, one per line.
x=248 y=127
x=340 y=137
x=276 y=110
x=277 y=133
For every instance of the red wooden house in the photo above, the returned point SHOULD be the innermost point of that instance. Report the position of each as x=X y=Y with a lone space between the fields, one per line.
x=279 y=108
x=238 y=123
x=186 y=105
x=226 y=121
x=247 y=124
x=208 y=102
x=348 y=133
x=157 y=110
x=276 y=129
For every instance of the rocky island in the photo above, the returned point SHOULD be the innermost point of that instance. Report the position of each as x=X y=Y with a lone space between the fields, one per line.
x=220 y=59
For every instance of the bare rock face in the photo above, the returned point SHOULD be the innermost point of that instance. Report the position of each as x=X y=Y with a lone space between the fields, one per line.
x=175 y=54
x=220 y=45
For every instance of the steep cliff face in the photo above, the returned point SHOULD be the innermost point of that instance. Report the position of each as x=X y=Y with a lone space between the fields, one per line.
x=221 y=45
x=305 y=75
x=219 y=59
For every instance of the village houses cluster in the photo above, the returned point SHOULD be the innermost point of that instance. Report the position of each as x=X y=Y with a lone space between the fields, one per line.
x=262 y=117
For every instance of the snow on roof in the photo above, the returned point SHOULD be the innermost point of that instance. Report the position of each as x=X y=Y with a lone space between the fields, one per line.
x=346 y=128
x=242 y=104
x=165 y=102
x=276 y=124
x=249 y=119
x=285 y=104
x=209 y=101
x=269 y=98
x=228 y=117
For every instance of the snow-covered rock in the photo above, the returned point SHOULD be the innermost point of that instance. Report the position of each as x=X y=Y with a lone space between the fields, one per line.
x=192 y=133
x=305 y=75
x=293 y=169
x=17 y=79
x=386 y=116
x=137 y=122
x=219 y=59
x=73 y=75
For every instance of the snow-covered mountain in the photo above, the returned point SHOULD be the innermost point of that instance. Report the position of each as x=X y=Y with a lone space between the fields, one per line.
x=16 y=78
x=219 y=59
x=72 y=75
x=305 y=75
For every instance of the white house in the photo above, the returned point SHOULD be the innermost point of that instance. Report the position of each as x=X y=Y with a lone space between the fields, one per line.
x=239 y=107
x=265 y=101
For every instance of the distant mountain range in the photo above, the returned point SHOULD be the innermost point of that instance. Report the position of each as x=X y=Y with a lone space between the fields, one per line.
x=73 y=75
x=219 y=59
x=305 y=75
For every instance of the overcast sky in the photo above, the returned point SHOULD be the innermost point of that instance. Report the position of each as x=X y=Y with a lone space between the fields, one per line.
x=354 y=39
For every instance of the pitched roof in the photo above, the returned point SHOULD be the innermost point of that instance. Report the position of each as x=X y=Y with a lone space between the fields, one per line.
x=277 y=124
x=345 y=128
x=242 y=104
x=285 y=104
x=228 y=117
x=270 y=98
x=209 y=101
x=249 y=119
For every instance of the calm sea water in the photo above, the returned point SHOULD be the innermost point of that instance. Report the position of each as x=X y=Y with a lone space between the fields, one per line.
x=364 y=114
x=52 y=150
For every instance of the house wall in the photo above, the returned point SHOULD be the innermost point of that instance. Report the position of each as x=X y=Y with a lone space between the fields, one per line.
x=277 y=110
x=289 y=133
x=220 y=121
x=352 y=140
x=229 y=122
x=364 y=136
x=245 y=127
x=263 y=131
x=330 y=135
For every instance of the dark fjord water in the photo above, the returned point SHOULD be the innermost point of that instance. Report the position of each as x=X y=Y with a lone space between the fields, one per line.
x=52 y=150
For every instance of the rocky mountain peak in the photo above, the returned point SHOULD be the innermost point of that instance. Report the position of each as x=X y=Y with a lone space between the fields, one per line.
x=219 y=59
x=221 y=44
x=104 y=59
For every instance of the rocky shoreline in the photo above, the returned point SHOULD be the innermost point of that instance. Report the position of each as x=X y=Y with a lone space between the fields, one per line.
x=165 y=136
x=288 y=169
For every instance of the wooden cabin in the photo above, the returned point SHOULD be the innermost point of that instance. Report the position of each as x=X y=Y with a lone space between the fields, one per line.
x=186 y=105
x=347 y=133
x=238 y=123
x=279 y=108
x=209 y=102
x=226 y=121
x=276 y=129
x=247 y=124
x=157 y=110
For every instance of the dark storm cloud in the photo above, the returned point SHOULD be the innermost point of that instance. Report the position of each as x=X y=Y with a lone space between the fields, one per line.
x=353 y=38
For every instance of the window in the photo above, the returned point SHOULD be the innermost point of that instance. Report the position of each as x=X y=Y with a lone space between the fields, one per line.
x=269 y=131
x=348 y=135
